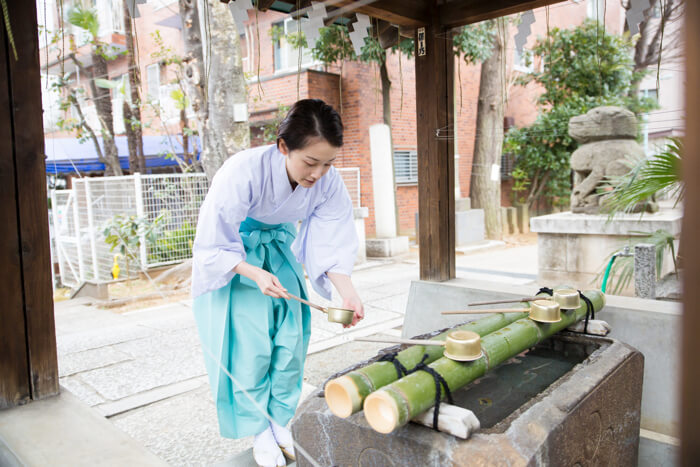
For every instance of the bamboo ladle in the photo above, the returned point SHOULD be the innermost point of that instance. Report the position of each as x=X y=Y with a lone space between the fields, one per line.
x=335 y=315
x=568 y=299
x=544 y=311
x=460 y=345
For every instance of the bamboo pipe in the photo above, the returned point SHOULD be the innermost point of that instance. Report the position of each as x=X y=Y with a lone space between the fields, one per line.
x=395 y=404
x=345 y=394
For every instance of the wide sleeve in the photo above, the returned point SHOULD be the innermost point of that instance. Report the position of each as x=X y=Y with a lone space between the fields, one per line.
x=327 y=240
x=217 y=246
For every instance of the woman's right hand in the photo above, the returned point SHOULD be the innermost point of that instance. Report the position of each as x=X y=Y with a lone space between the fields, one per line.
x=267 y=282
x=270 y=285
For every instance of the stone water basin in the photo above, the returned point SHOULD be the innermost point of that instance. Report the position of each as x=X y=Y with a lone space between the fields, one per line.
x=573 y=400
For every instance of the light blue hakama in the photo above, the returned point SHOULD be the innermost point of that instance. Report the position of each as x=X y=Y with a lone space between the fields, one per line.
x=262 y=341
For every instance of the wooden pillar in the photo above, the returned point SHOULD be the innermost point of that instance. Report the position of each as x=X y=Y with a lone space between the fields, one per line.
x=690 y=328
x=28 y=365
x=435 y=131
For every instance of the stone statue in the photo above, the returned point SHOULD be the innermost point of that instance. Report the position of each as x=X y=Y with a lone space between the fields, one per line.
x=607 y=136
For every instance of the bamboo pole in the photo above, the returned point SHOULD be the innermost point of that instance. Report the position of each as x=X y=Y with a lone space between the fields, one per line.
x=345 y=394
x=395 y=404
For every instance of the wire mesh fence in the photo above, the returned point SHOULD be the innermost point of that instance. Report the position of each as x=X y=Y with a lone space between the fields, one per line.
x=133 y=222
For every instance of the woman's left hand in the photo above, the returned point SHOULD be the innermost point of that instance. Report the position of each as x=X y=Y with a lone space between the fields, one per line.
x=354 y=304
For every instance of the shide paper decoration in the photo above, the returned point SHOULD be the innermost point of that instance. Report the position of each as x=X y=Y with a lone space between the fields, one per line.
x=524 y=29
x=635 y=14
x=133 y=9
x=239 y=11
x=312 y=27
x=359 y=32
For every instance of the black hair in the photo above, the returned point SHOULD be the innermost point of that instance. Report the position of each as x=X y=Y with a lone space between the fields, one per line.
x=310 y=118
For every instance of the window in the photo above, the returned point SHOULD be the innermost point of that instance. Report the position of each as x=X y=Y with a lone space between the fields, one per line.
x=520 y=61
x=652 y=93
x=596 y=8
x=507 y=162
x=153 y=81
x=286 y=56
x=406 y=166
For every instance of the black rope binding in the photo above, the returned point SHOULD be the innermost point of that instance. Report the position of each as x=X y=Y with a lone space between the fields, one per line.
x=391 y=357
x=590 y=310
x=546 y=290
x=439 y=381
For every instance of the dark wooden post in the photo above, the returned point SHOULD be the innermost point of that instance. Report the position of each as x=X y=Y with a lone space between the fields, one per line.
x=435 y=127
x=28 y=365
x=690 y=329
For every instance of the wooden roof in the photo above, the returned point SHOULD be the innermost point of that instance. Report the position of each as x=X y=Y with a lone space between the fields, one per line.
x=412 y=13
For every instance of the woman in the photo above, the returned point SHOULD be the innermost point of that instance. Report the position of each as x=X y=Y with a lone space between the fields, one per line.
x=247 y=256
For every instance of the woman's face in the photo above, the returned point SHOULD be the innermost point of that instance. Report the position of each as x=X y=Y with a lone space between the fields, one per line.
x=305 y=166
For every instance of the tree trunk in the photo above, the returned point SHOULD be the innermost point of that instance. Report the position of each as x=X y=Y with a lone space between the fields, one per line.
x=488 y=143
x=221 y=136
x=134 y=134
x=415 y=393
x=358 y=384
x=102 y=98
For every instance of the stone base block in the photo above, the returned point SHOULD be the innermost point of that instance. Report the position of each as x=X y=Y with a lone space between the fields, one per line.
x=463 y=204
x=589 y=416
x=469 y=226
x=91 y=289
x=386 y=247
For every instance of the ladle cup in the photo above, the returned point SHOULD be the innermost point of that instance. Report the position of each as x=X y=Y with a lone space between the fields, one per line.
x=335 y=315
x=462 y=346
x=543 y=311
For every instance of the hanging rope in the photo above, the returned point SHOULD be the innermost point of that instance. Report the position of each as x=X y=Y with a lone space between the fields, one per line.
x=439 y=383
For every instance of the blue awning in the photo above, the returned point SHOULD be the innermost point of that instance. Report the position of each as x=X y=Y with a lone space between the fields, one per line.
x=66 y=155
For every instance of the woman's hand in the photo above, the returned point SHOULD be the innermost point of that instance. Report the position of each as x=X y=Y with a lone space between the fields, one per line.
x=354 y=304
x=267 y=282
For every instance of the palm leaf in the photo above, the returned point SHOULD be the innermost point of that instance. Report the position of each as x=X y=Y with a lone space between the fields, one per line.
x=646 y=178
x=85 y=18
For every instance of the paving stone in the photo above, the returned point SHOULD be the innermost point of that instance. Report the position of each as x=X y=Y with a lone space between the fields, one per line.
x=82 y=391
x=175 y=343
x=397 y=303
x=182 y=430
x=77 y=362
x=100 y=337
x=373 y=315
x=320 y=366
x=129 y=378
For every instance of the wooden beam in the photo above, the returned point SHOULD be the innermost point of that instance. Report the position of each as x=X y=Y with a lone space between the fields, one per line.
x=31 y=204
x=461 y=12
x=14 y=383
x=436 y=194
x=399 y=12
x=690 y=232
x=264 y=5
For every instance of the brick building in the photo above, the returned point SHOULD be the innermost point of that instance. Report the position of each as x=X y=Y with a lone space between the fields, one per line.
x=275 y=80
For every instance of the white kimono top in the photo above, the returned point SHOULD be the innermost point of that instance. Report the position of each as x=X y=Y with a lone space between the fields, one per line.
x=254 y=183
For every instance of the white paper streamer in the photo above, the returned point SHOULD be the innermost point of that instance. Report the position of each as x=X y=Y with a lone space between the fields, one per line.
x=359 y=32
x=239 y=11
x=312 y=27
x=635 y=14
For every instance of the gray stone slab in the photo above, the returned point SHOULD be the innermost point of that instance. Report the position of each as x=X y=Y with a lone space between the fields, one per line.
x=100 y=337
x=62 y=431
x=82 y=391
x=469 y=226
x=182 y=430
x=176 y=344
x=176 y=320
x=653 y=453
x=129 y=378
x=568 y=222
x=373 y=316
x=318 y=335
x=319 y=367
x=396 y=303
x=76 y=362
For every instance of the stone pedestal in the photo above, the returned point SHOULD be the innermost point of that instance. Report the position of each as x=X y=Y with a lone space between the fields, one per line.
x=360 y=214
x=386 y=247
x=469 y=226
x=588 y=416
x=574 y=248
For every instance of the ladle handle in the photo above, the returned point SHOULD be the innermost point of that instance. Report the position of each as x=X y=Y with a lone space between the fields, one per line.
x=478 y=312
x=400 y=340
x=512 y=300
x=306 y=302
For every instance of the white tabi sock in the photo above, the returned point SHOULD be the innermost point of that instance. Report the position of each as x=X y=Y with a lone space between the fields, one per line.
x=284 y=439
x=266 y=452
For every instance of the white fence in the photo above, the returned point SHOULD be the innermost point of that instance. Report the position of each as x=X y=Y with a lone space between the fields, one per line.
x=168 y=203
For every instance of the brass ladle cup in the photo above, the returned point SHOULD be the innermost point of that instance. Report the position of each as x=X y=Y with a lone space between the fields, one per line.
x=335 y=315
x=462 y=346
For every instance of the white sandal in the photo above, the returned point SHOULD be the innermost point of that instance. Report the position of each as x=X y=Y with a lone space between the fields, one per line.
x=266 y=452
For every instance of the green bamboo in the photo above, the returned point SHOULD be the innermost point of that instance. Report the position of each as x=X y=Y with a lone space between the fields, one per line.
x=415 y=393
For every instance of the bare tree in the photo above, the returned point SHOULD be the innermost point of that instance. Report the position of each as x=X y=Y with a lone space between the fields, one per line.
x=214 y=89
x=132 y=106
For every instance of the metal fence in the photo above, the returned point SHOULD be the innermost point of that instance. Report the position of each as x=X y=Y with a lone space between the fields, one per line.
x=154 y=216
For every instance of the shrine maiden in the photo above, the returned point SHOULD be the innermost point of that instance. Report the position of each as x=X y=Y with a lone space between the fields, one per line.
x=247 y=254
